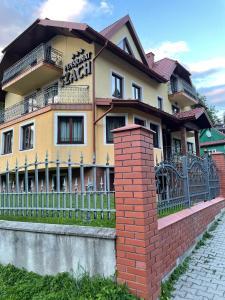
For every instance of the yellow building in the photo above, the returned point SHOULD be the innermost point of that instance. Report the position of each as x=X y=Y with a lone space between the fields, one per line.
x=65 y=86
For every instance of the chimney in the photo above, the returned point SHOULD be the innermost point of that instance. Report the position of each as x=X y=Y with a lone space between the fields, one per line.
x=150 y=59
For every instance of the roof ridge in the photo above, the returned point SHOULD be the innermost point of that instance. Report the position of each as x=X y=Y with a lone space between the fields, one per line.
x=114 y=23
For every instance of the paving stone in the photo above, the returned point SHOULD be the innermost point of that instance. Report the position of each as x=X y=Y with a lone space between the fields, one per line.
x=205 y=277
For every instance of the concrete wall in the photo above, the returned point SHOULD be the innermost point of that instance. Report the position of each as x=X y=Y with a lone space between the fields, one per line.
x=50 y=249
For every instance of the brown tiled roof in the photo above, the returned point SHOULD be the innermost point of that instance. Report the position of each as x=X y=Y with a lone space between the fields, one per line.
x=165 y=67
x=190 y=114
x=110 y=30
x=198 y=115
x=45 y=29
x=211 y=143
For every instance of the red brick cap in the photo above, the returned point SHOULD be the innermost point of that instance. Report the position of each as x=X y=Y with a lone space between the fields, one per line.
x=131 y=127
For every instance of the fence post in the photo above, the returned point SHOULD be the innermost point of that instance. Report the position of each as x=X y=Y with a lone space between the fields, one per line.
x=219 y=159
x=138 y=256
x=206 y=165
x=186 y=180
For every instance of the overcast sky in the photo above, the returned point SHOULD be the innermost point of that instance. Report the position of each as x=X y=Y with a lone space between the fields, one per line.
x=191 y=31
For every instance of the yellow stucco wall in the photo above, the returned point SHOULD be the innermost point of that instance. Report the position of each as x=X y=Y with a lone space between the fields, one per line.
x=108 y=63
x=120 y=35
x=11 y=99
x=103 y=149
x=44 y=140
x=68 y=46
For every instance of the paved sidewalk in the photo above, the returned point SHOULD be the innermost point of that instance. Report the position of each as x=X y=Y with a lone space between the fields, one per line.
x=205 y=277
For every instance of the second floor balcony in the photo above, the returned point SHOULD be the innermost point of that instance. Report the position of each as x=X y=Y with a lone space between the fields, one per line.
x=182 y=92
x=41 y=65
x=50 y=96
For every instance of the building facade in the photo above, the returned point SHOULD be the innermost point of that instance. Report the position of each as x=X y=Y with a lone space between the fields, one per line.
x=65 y=86
x=212 y=141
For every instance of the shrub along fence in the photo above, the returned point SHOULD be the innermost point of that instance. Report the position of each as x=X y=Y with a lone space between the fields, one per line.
x=185 y=181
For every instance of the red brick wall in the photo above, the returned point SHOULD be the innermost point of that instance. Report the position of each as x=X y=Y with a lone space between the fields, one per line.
x=147 y=248
x=136 y=214
x=178 y=232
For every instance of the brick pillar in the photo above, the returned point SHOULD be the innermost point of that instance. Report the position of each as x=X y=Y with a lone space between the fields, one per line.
x=138 y=259
x=183 y=141
x=197 y=146
x=219 y=159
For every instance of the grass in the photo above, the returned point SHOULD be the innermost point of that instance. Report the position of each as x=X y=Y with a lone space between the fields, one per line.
x=167 y=287
x=170 y=211
x=70 y=216
x=16 y=284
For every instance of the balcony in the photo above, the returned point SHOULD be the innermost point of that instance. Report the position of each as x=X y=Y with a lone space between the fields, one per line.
x=40 y=66
x=52 y=95
x=182 y=92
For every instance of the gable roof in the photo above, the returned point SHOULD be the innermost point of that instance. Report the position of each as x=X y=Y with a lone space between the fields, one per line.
x=216 y=138
x=110 y=30
x=166 y=66
x=42 y=30
x=199 y=115
x=212 y=143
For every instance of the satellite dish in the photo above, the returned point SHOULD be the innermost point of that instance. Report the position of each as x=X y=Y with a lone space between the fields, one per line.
x=208 y=134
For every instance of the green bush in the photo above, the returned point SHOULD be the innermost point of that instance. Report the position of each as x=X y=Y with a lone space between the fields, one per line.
x=16 y=284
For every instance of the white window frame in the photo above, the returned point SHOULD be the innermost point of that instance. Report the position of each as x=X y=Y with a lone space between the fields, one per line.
x=141 y=88
x=3 y=140
x=74 y=114
x=141 y=118
x=104 y=124
x=123 y=84
x=21 y=136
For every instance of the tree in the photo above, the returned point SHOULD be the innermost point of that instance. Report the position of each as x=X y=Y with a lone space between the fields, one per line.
x=210 y=109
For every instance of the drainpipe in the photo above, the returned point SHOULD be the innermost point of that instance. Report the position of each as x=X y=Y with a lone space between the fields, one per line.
x=93 y=98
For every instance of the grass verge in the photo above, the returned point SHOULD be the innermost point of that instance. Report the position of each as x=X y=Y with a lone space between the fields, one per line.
x=60 y=220
x=16 y=284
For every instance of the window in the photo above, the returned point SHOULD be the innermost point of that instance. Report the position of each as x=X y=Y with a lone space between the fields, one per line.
x=113 y=122
x=51 y=94
x=117 y=86
x=139 y=121
x=176 y=146
x=190 y=147
x=175 y=109
x=155 y=128
x=124 y=44
x=27 y=136
x=160 y=103
x=30 y=103
x=7 y=142
x=71 y=130
x=136 y=92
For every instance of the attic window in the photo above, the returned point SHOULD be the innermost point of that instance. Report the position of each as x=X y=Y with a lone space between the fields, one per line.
x=124 y=44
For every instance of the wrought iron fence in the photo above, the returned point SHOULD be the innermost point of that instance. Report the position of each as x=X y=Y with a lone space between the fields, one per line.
x=52 y=95
x=62 y=189
x=185 y=181
x=42 y=53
